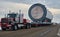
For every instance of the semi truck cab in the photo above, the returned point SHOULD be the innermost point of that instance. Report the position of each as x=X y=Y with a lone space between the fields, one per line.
x=14 y=21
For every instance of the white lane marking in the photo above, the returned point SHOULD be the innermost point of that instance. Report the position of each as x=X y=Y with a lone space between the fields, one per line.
x=45 y=32
x=58 y=32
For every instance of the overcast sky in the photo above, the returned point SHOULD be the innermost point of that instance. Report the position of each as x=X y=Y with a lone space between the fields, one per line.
x=15 y=5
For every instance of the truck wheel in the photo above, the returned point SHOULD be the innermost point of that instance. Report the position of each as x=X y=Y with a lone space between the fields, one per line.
x=3 y=28
x=27 y=27
x=15 y=27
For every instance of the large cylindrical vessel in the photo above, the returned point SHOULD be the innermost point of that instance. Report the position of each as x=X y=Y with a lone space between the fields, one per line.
x=38 y=13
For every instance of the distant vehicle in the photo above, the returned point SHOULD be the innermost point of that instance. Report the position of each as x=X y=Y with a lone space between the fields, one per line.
x=39 y=15
x=14 y=21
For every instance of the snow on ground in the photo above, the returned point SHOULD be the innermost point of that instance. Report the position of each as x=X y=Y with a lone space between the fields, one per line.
x=0 y=28
x=58 y=32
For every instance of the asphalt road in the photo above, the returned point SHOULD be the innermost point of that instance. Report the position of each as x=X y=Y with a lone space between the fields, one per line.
x=45 y=31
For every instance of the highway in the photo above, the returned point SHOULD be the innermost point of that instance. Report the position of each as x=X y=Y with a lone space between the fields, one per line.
x=44 y=31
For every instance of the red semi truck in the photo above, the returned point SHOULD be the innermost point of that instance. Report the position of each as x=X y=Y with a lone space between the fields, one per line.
x=14 y=21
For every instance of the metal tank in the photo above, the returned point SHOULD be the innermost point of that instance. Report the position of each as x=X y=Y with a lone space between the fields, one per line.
x=39 y=14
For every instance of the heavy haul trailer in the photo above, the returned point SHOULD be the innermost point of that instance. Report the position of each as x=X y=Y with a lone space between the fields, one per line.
x=14 y=21
x=39 y=15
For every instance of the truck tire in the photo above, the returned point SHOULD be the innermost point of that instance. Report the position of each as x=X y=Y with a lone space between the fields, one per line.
x=3 y=28
x=28 y=26
x=15 y=27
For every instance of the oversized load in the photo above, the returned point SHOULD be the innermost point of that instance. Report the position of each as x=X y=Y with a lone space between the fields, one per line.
x=39 y=14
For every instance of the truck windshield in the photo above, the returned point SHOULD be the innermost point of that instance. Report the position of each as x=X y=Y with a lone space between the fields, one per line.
x=11 y=15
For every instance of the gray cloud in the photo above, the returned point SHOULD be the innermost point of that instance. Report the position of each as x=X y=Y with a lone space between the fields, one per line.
x=49 y=3
x=56 y=18
x=53 y=3
x=25 y=1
